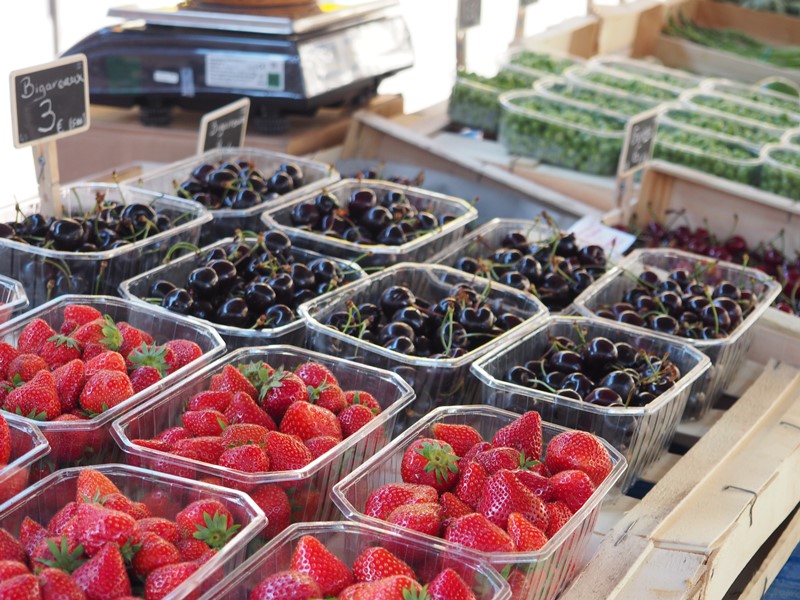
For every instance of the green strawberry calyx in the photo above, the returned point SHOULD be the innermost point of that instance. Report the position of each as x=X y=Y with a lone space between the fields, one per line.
x=112 y=338
x=62 y=558
x=150 y=356
x=440 y=458
x=216 y=532
x=64 y=340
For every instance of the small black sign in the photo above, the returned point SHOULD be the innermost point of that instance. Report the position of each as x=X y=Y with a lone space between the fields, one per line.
x=640 y=137
x=469 y=13
x=225 y=127
x=50 y=101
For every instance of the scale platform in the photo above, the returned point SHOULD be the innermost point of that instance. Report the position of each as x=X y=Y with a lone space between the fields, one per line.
x=200 y=56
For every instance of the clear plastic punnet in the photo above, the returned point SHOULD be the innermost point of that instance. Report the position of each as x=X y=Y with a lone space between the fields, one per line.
x=13 y=299
x=561 y=133
x=780 y=170
x=538 y=575
x=649 y=71
x=707 y=122
x=590 y=97
x=46 y=273
x=164 y=495
x=642 y=434
x=307 y=488
x=791 y=137
x=347 y=540
x=610 y=80
x=539 y=63
x=727 y=354
x=752 y=93
x=28 y=445
x=88 y=441
x=731 y=105
x=436 y=381
x=137 y=289
x=454 y=215
x=226 y=221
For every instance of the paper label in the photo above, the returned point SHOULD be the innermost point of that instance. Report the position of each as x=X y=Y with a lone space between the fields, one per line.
x=232 y=70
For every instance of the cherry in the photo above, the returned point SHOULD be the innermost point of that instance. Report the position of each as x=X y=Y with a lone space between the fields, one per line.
x=204 y=281
x=603 y=396
x=394 y=298
x=177 y=300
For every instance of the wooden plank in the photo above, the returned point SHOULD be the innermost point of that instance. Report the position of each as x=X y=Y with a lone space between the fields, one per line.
x=775 y=560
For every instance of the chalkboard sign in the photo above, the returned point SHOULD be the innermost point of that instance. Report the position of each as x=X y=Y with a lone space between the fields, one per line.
x=224 y=127
x=640 y=138
x=469 y=13
x=50 y=101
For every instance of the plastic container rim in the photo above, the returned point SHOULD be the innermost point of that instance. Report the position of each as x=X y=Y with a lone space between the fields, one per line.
x=40 y=448
x=20 y=297
x=689 y=95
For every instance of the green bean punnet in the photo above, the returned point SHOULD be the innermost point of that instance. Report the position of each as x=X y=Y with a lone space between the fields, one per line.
x=652 y=73
x=624 y=105
x=757 y=96
x=541 y=61
x=631 y=85
x=746 y=111
x=724 y=125
x=780 y=173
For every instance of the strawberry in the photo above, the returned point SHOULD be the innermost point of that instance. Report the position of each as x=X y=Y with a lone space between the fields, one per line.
x=164 y=528
x=94 y=484
x=473 y=452
x=204 y=422
x=63 y=516
x=101 y=331
x=21 y=587
x=460 y=437
x=498 y=459
x=281 y=390
x=351 y=592
x=108 y=360
x=37 y=399
x=63 y=553
x=240 y=434
x=364 y=398
x=504 y=494
x=12 y=568
x=425 y=517
x=524 y=434
x=320 y=445
x=5 y=442
x=525 y=535
x=243 y=409
x=430 y=462
x=147 y=355
x=311 y=557
x=286 y=585
x=103 y=576
x=25 y=366
x=56 y=584
x=207 y=520
x=92 y=350
x=386 y=498
x=353 y=418
x=207 y=448
x=328 y=395
x=230 y=379
x=448 y=585
x=143 y=377
x=572 y=487
x=397 y=587
x=96 y=526
x=307 y=421
x=59 y=350
x=210 y=399
x=275 y=503
x=173 y=434
x=536 y=483
x=154 y=551
x=558 y=514
x=153 y=444
x=33 y=336
x=181 y=353
x=286 y=452
x=70 y=379
x=163 y=580
x=31 y=534
x=578 y=450
x=80 y=314
x=470 y=484
x=7 y=354
x=122 y=503
x=375 y=563
x=191 y=549
x=479 y=533
x=315 y=374
x=132 y=338
x=305 y=502
x=452 y=508
x=68 y=445
x=249 y=458
x=105 y=390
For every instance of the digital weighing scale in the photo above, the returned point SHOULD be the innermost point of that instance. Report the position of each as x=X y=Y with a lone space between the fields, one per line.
x=287 y=60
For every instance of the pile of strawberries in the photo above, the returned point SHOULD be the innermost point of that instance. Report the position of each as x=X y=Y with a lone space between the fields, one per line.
x=88 y=366
x=5 y=443
x=493 y=496
x=104 y=545
x=376 y=574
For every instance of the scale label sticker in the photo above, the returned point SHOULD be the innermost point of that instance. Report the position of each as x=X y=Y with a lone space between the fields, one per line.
x=168 y=77
x=246 y=71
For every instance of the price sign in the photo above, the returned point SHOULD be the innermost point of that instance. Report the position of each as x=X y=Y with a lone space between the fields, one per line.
x=224 y=127
x=640 y=137
x=469 y=13
x=50 y=101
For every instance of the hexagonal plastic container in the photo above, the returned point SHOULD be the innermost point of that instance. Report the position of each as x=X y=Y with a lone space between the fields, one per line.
x=226 y=220
x=711 y=122
x=165 y=495
x=372 y=256
x=436 y=382
x=346 y=540
x=28 y=445
x=752 y=93
x=46 y=273
x=641 y=434
x=589 y=96
x=137 y=289
x=724 y=104
x=89 y=441
x=308 y=488
x=647 y=70
x=546 y=571
x=13 y=299
x=609 y=79
x=726 y=354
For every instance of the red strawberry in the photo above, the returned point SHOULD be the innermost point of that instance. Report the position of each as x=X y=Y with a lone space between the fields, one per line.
x=12 y=568
x=397 y=587
x=328 y=395
x=181 y=353
x=320 y=445
x=249 y=458
x=240 y=434
x=315 y=374
x=204 y=422
x=365 y=398
x=351 y=592
x=207 y=448
x=97 y=526
x=479 y=533
x=132 y=338
x=56 y=584
x=59 y=520
x=275 y=503
x=281 y=390
x=558 y=514
x=165 y=579
x=107 y=361
x=498 y=459
x=80 y=314
x=448 y=585
x=305 y=502
x=25 y=366
x=504 y=494
x=124 y=504
x=105 y=390
x=286 y=585
x=209 y=399
x=21 y=587
x=33 y=336
x=525 y=535
x=286 y=452
x=430 y=462
x=425 y=518
x=63 y=553
x=162 y=527
x=103 y=576
x=536 y=483
x=230 y=379
x=147 y=355
x=315 y=560
x=524 y=434
x=31 y=534
x=159 y=445
x=92 y=350
x=389 y=496
x=174 y=434
x=37 y=399
x=59 y=350
x=578 y=450
x=572 y=487
x=94 y=484
x=307 y=421
x=7 y=354
x=70 y=379
x=207 y=520
x=5 y=442
x=143 y=377
x=191 y=549
x=375 y=563
x=243 y=409
x=452 y=508
x=470 y=485
x=460 y=437
x=68 y=445
x=473 y=452
x=153 y=552
x=101 y=331
x=353 y=418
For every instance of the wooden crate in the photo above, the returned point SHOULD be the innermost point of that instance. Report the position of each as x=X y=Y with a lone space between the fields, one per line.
x=702 y=528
